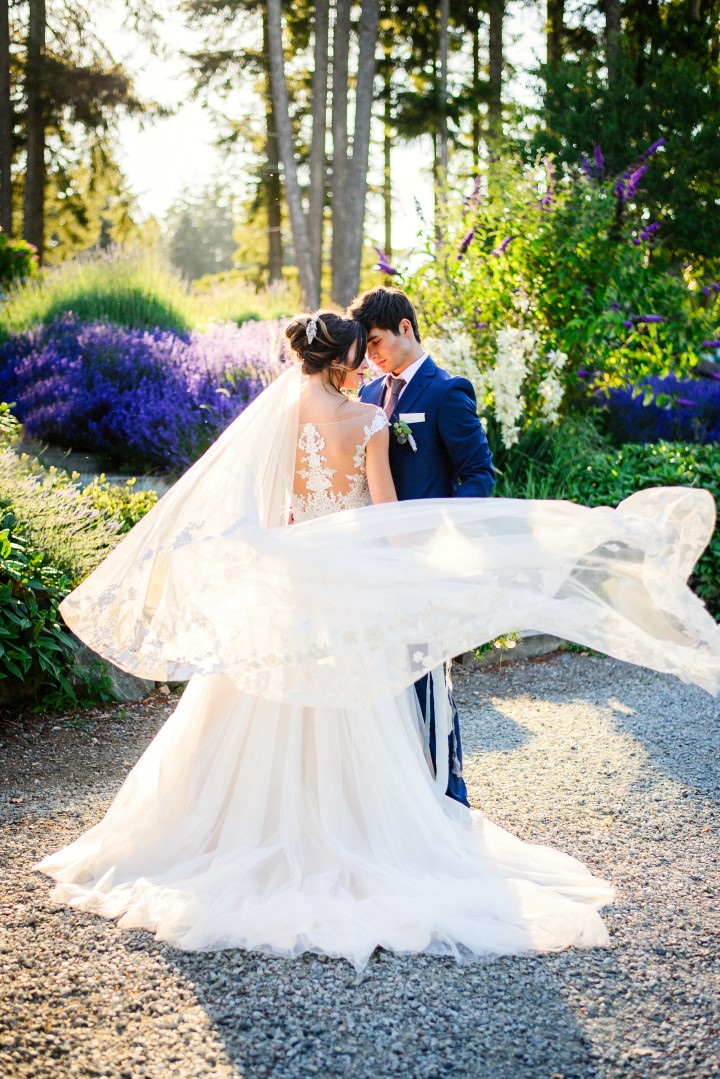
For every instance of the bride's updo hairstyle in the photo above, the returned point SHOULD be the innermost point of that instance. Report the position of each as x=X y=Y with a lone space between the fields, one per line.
x=327 y=348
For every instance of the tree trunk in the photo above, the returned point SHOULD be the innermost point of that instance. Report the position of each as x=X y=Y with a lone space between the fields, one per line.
x=5 y=122
x=318 y=161
x=341 y=50
x=357 y=176
x=554 y=27
x=387 y=162
x=443 y=95
x=273 y=186
x=309 y=284
x=496 y=11
x=34 y=226
x=612 y=37
x=476 y=127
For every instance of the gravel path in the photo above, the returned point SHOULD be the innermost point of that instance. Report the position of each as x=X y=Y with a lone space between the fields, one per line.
x=610 y=763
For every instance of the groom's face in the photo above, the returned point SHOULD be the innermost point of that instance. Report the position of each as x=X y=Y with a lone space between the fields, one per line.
x=391 y=352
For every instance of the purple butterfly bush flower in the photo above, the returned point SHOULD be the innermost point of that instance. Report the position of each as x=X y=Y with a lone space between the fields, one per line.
x=474 y=197
x=383 y=265
x=466 y=241
x=502 y=247
x=711 y=344
x=599 y=161
x=713 y=287
x=587 y=167
x=654 y=147
x=633 y=182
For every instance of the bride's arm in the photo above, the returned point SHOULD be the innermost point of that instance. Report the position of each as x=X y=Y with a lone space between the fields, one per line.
x=377 y=464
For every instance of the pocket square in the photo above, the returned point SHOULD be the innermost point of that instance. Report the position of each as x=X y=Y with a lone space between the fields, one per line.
x=412 y=417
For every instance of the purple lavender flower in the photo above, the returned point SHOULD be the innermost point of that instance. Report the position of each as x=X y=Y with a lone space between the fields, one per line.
x=383 y=265
x=500 y=249
x=151 y=399
x=466 y=241
x=587 y=167
x=628 y=323
x=714 y=286
x=615 y=306
x=649 y=319
x=599 y=161
x=649 y=231
x=691 y=415
x=620 y=191
x=711 y=344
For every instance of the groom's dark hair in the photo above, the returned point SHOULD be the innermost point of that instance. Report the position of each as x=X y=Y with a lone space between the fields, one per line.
x=384 y=308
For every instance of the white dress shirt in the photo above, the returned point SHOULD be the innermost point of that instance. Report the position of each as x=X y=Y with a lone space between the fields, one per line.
x=409 y=372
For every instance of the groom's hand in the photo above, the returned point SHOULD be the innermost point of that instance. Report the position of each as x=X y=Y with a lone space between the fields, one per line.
x=464 y=439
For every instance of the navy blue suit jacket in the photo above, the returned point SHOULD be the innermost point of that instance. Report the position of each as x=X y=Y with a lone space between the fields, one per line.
x=453 y=456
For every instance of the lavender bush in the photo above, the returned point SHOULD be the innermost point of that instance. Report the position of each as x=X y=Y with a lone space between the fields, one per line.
x=691 y=411
x=141 y=400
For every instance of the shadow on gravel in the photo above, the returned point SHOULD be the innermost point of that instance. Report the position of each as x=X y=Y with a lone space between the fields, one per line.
x=678 y=731
x=498 y=732
x=418 y=1016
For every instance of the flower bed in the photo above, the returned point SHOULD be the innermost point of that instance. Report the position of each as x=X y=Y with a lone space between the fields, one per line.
x=691 y=411
x=146 y=400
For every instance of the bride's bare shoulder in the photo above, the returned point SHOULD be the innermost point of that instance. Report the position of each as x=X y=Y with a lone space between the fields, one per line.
x=361 y=409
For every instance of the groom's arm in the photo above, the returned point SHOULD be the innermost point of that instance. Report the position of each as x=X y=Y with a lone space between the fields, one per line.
x=464 y=439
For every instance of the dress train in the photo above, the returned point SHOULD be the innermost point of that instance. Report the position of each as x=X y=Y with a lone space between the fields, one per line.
x=269 y=826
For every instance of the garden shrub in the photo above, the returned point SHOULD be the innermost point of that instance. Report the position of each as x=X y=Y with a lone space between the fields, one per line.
x=35 y=647
x=52 y=534
x=130 y=288
x=66 y=527
x=543 y=286
x=18 y=261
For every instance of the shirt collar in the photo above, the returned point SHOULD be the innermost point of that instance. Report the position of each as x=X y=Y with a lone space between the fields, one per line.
x=412 y=370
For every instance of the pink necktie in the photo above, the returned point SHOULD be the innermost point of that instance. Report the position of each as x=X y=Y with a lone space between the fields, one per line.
x=393 y=387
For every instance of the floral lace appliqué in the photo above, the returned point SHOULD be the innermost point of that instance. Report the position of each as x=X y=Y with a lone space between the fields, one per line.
x=322 y=497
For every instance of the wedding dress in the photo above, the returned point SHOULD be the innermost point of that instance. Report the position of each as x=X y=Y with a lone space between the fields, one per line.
x=287 y=805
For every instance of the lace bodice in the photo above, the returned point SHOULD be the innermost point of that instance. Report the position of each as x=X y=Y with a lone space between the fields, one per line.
x=330 y=470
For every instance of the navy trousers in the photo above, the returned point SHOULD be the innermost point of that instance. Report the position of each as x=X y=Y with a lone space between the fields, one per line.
x=456 y=784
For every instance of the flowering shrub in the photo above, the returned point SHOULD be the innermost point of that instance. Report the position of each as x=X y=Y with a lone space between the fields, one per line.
x=146 y=400
x=667 y=409
x=18 y=260
x=543 y=274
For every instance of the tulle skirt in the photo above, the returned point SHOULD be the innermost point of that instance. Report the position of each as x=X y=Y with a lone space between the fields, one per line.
x=269 y=826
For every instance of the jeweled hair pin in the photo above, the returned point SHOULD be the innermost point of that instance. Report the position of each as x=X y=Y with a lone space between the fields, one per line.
x=311 y=329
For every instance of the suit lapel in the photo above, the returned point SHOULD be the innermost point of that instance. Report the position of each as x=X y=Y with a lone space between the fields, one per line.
x=418 y=384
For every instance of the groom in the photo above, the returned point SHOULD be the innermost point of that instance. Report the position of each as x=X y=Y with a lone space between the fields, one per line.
x=440 y=451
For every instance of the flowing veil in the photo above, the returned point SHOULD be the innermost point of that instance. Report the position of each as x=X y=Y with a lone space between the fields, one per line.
x=352 y=608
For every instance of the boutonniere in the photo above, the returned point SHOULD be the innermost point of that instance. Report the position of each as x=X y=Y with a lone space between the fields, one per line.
x=403 y=433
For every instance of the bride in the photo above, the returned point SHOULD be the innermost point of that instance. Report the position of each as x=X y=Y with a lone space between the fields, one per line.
x=288 y=804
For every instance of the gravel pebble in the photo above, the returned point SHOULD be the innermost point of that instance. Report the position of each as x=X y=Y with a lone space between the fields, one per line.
x=610 y=763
